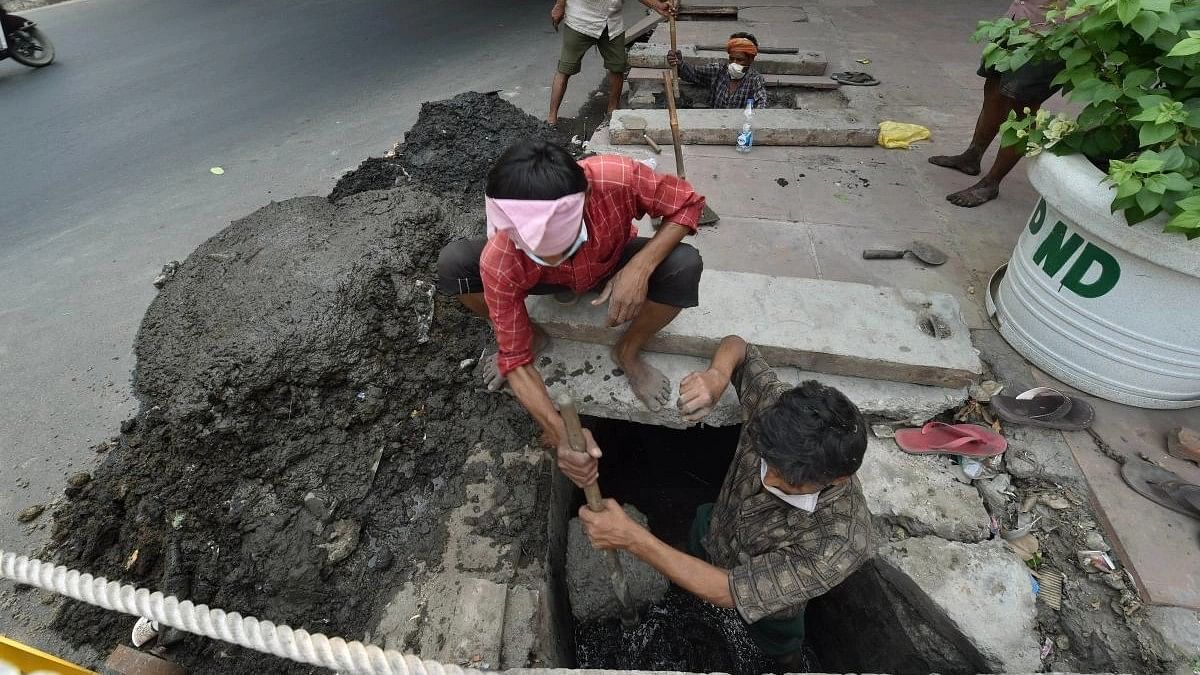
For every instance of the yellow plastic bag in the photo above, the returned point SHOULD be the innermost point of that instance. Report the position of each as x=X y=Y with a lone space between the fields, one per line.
x=898 y=135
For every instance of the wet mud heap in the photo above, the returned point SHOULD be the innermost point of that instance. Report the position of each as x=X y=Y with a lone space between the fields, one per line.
x=305 y=413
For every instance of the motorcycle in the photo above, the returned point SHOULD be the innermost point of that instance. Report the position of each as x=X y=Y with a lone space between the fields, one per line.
x=21 y=39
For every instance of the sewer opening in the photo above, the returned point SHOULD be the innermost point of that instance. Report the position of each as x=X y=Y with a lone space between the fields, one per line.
x=863 y=625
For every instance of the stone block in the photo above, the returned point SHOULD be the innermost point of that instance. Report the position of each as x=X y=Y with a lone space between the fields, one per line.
x=772 y=126
x=652 y=55
x=476 y=630
x=1040 y=453
x=822 y=326
x=586 y=372
x=589 y=587
x=521 y=627
x=977 y=595
x=643 y=26
x=920 y=494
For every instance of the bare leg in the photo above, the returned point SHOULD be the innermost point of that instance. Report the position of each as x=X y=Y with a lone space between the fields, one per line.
x=648 y=383
x=988 y=187
x=991 y=116
x=557 y=89
x=615 y=82
x=490 y=371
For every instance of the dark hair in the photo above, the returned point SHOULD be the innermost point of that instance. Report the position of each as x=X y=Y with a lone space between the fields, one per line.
x=812 y=434
x=748 y=36
x=535 y=169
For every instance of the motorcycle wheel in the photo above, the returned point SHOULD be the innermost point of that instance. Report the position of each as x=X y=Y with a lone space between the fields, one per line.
x=31 y=47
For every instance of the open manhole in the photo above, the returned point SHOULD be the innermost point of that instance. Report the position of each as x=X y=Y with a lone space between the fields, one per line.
x=863 y=625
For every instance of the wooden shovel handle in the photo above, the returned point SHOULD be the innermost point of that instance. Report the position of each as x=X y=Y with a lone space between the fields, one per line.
x=570 y=416
x=668 y=84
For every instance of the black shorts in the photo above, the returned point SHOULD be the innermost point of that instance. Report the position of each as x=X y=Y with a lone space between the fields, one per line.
x=1030 y=84
x=675 y=282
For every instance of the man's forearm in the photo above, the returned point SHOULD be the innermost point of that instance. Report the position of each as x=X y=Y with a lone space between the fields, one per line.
x=658 y=248
x=530 y=390
x=708 y=582
x=729 y=355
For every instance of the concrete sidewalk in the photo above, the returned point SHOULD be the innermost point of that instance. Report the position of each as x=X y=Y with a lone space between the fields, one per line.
x=809 y=212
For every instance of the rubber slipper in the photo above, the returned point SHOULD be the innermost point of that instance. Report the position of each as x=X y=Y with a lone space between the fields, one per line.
x=1045 y=407
x=854 y=78
x=969 y=440
x=1160 y=486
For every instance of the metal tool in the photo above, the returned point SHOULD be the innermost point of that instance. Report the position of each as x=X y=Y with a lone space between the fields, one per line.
x=920 y=250
x=570 y=416
x=708 y=216
x=636 y=123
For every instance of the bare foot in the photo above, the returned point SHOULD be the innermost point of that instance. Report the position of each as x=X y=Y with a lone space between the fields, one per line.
x=490 y=370
x=980 y=193
x=651 y=387
x=968 y=162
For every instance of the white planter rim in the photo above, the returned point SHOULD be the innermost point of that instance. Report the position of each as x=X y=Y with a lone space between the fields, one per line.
x=1064 y=181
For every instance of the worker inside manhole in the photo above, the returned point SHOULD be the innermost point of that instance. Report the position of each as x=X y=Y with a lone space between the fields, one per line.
x=748 y=523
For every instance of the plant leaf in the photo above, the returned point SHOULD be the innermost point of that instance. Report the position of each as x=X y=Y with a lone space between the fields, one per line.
x=1150 y=134
x=1147 y=163
x=1175 y=182
x=1185 y=47
x=1148 y=201
x=1189 y=204
x=1186 y=223
x=1129 y=187
x=1169 y=22
x=1145 y=24
x=1156 y=184
x=1156 y=5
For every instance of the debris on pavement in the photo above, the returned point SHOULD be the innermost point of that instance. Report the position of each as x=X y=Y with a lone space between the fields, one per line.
x=30 y=513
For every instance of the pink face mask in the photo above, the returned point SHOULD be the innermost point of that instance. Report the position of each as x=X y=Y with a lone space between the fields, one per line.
x=539 y=227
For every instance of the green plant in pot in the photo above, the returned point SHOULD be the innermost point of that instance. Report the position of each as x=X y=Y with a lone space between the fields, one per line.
x=1134 y=67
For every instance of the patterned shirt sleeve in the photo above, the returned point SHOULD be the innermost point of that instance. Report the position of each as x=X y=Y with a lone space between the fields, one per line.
x=505 y=292
x=755 y=382
x=760 y=90
x=665 y=196
x=699 y=75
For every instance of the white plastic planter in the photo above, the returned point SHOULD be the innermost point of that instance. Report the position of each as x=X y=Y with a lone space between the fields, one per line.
x=1110 y=309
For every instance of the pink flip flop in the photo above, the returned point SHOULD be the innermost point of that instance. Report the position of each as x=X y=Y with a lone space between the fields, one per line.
x=970 y=440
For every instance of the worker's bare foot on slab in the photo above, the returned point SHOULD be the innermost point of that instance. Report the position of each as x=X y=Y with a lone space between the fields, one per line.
x=980 y=193
x=490 y=370
x=652 y=388
x=968 y=162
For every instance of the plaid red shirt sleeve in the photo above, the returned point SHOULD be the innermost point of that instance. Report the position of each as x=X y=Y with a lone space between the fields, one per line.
x=665 y=196
x=620 y=190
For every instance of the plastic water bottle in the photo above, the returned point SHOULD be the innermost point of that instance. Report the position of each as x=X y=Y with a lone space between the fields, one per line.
x=745 y=139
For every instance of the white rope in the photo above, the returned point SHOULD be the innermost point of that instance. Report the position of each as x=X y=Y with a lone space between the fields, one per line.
x=246 y=631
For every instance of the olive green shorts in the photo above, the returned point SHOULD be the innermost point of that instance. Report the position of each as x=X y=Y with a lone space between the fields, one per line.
x=576 y=44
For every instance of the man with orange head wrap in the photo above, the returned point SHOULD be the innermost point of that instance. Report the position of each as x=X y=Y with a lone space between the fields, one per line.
x=729 y=84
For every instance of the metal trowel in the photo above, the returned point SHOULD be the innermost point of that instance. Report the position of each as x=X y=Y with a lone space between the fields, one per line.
x=920 y=250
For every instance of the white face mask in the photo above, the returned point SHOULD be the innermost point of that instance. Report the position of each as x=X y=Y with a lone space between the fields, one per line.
x=579 y=241
x=802 y=502
x=736 y=71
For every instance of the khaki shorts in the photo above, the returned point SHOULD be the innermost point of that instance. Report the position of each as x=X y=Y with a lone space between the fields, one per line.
x=576 y=44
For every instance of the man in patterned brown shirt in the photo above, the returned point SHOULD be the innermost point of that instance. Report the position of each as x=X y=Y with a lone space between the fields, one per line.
x=790 y=522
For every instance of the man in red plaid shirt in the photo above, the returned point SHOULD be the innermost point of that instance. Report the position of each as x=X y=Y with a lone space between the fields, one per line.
x=557 y=226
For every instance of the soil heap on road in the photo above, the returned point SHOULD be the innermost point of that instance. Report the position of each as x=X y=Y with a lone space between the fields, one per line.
x=287 y=358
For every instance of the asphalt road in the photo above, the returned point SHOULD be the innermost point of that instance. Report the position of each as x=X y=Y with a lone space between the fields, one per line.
x=104 y=176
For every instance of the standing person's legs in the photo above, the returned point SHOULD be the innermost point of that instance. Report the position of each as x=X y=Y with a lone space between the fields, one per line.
x=991 y=116
x=570 y=61
x=1025 y=88
x=612 y=50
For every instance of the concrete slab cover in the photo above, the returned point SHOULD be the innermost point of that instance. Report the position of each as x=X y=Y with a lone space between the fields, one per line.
x=653 y=55
x=588 y=586
x=772 y=126
x=920 y=494
x=585 y=371
x=979 y=593
x=823 y=326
